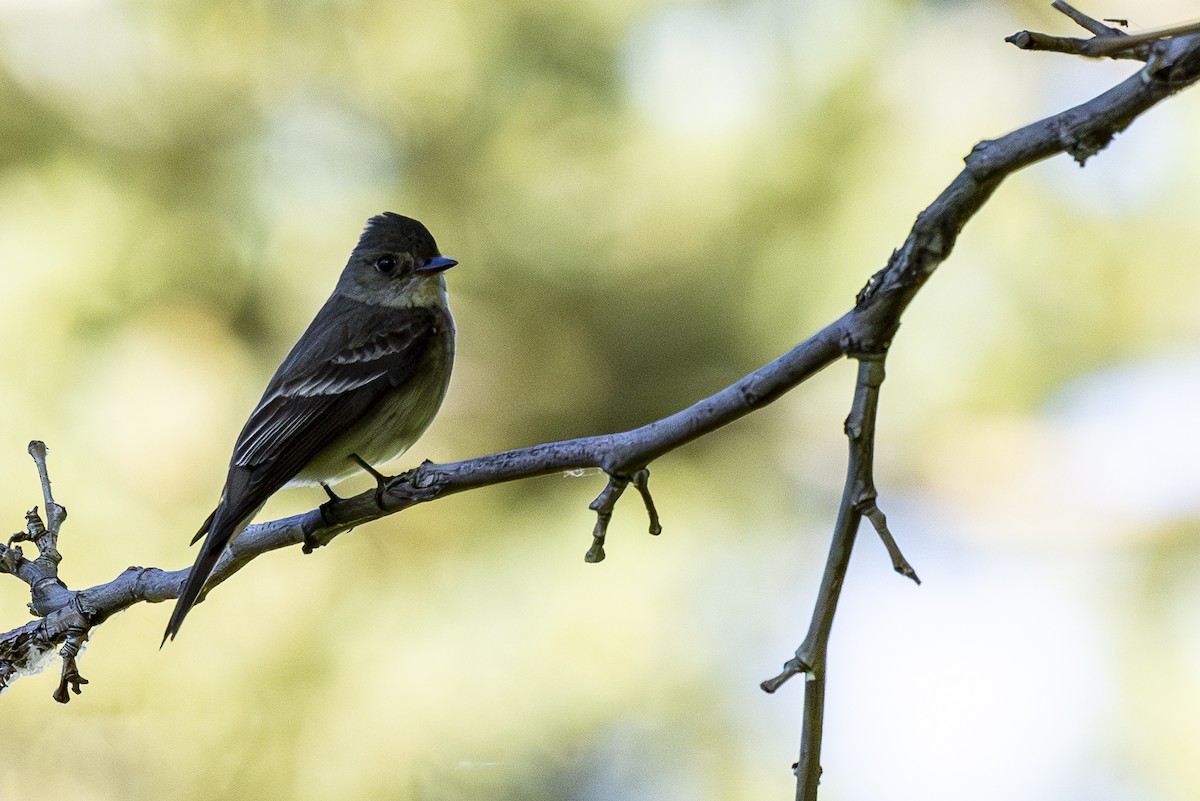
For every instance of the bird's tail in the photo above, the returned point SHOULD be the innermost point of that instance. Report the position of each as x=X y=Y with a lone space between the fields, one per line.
x=219 y=534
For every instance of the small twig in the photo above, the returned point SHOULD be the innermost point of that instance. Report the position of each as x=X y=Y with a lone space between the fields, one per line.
x=878 y=520
x=66 y=618
x=1108 y=42
x=860 y=428
x=11 y=557
x=71 y=679
x=791 y=668
x=1032 y=40
x=858 y=499
x=811 y=653
x=55 y=514
x=641 y=480
x=606 y=501
x=1095 y=26
x=1111 y=46
x=43 y=538
x=603 y=506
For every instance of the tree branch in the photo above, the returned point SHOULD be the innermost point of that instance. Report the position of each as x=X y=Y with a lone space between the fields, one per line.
x=865 y=333
x=857 y=496
x=1107 y=42
x=1094 y=26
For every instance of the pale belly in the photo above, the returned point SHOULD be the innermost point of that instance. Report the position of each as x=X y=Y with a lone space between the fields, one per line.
x=391 y=429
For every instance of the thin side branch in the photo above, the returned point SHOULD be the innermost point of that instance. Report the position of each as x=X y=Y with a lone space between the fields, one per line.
x=26 y=649
x=641 y=480
x=603 y=506
x=607 y=500
x=70 y=679
x=1032 y=40
x=1112 y=46
x=1095 y=26
x=811 y=655
x=1107 y=42
x=871 y=511
x=858 y=498
x=55 y=514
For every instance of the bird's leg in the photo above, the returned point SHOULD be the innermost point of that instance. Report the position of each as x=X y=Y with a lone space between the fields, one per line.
x=381 y=480
x=333 y=498
x=310 y=542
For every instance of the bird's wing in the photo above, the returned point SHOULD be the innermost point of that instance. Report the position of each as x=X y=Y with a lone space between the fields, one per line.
x=326 y=385
x=311 y=405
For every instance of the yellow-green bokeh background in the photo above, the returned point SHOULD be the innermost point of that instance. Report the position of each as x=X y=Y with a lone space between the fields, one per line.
x=648 y=200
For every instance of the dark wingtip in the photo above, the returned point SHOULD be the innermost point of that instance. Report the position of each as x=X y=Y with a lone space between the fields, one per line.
x=203 y=527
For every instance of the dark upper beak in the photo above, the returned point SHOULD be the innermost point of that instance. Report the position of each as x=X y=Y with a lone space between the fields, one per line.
x=437 y=264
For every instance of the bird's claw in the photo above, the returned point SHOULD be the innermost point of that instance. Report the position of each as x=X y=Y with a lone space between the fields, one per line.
x=310 y=542
x=381 y=481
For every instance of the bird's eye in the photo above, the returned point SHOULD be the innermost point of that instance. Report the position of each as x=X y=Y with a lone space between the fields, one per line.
x=386 y=264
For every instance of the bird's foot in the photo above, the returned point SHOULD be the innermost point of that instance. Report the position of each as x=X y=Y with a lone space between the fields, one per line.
x=381 y=481
x=310 y=542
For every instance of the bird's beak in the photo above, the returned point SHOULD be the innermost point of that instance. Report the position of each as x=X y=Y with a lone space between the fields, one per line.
x=437 y=264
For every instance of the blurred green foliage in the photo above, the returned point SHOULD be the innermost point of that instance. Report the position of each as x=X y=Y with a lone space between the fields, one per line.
x=648 y=200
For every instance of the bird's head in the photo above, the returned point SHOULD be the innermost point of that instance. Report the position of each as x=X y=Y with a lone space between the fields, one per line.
x=396 y=263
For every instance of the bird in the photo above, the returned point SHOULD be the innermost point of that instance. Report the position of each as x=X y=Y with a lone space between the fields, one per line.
x=359 y=387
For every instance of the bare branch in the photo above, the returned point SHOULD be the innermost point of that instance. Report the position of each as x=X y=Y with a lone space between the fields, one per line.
x=1032 y=40
x=858 y=498
x=1111 y=46
x=865 y=333
x=810 y=656
x=1107 y=42
x=869 y=326
x=1096 y=27
x=55 y=514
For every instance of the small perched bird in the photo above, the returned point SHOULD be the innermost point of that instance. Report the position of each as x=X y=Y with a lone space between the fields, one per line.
x=359 y=387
